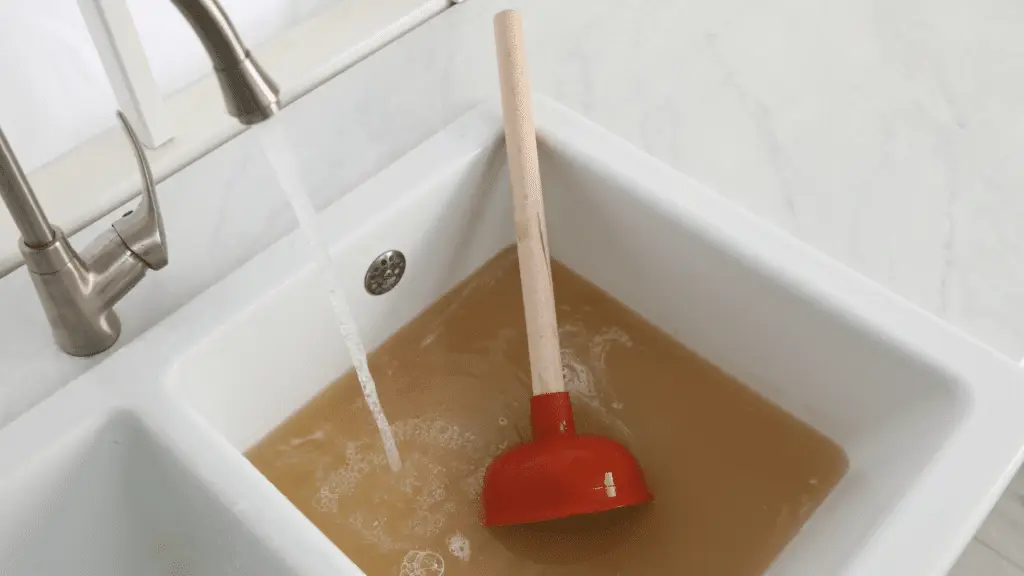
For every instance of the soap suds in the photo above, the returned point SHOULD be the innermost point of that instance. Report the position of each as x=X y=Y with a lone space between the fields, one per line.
x=432 y=490
x=422 y=563
x=374 y=533
x=344 y=480
x=585 y=379
x=458 y=546
x=577 y=377
x=603 y=341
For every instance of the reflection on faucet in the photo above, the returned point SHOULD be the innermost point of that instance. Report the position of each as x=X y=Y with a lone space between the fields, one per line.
x=78 y=291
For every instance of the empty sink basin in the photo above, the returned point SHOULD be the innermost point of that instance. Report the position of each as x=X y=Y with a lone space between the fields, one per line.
x=929 y=419
x=110 y=500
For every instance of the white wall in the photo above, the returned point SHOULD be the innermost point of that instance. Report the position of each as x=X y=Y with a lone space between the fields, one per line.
x=53 y=91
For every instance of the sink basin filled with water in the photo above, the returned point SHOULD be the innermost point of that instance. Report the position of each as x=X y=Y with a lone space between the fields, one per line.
x=735 y=476
x=791 y=417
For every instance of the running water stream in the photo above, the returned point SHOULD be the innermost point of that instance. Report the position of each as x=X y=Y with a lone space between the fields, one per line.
x=282 y=160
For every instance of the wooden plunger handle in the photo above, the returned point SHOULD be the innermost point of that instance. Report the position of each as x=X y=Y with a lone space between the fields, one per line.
x=528 y=202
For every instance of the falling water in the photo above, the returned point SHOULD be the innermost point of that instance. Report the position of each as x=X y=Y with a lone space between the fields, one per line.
x=282 y=160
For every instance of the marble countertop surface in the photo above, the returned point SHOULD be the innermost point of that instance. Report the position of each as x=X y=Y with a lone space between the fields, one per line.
x=889 y=135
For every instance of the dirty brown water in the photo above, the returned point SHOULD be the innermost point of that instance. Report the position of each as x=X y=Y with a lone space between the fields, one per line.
x=734 y=476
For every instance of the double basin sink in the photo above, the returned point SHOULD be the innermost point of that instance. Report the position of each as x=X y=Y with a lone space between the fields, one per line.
x=137 y=467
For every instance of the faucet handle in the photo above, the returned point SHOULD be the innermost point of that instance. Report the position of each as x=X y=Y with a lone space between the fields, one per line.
x=142 y=229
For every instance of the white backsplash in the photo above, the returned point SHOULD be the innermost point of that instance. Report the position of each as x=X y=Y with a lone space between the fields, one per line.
x=55 y=94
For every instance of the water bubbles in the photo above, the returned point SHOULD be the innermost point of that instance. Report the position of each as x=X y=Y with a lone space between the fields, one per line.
x=422 y=563
x=458 y=546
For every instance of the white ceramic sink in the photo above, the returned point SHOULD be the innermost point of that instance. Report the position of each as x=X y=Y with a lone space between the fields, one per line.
x=109 y=500
x=930 y=420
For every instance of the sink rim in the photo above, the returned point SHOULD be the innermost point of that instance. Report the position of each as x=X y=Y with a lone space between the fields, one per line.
x=907 y=540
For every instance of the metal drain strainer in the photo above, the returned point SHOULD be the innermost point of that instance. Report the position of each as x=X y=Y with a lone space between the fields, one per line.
x=384 y=272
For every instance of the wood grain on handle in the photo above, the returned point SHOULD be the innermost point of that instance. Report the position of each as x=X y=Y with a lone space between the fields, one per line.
x=528 y=202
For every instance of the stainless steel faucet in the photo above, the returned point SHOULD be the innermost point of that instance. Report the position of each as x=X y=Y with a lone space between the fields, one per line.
x=78 y=291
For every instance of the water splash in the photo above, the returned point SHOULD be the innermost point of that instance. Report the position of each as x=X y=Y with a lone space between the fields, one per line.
x=283 y=162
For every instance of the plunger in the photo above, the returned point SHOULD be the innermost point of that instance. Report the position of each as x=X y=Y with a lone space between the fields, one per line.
x=558 y=473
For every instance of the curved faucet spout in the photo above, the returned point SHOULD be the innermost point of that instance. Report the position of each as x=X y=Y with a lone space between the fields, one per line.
x=250 y=94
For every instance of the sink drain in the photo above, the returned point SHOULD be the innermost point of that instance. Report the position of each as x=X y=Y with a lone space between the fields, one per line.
x=384 y=272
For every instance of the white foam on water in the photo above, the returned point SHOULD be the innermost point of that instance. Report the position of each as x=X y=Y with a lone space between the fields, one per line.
x=585 y=378
x=343 y=480
x=603 y=341
x=283 y=161
x=429 y=493
x=577 y=377
x=435 y=432
x=422 y=563
x=458 y=546
x=372 y=533
x=432 y=507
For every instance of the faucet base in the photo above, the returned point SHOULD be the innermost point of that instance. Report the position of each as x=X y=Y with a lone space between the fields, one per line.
x=78 y=292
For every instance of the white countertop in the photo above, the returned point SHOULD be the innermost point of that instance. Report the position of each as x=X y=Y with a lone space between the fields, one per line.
x=887 y=134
